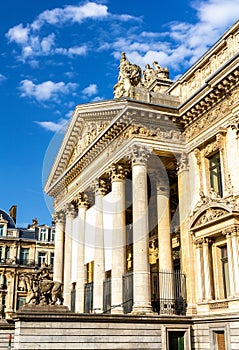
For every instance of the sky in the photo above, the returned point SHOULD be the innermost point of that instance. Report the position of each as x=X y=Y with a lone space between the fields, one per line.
x=57 y=54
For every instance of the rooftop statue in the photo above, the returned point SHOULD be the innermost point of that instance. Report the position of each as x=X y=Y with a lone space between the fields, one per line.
x=40 y=287
x=129 y=75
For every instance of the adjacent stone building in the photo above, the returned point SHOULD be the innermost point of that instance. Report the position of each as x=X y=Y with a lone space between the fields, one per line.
x=146 y=198
x=22 y=250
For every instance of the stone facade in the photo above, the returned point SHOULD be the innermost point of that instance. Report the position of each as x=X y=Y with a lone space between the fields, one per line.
x=146 y=197
x=22 y=251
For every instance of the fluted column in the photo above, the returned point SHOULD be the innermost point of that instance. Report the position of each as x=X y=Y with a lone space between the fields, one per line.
x=59 y=218
x=118 y=173
x=70 y=215
x=99 y=254
x=142 y=295
x=200 y=273
x=207 y=269
x=82 y=203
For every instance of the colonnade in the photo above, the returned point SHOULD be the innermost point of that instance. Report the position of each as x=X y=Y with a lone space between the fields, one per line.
x=141 y=267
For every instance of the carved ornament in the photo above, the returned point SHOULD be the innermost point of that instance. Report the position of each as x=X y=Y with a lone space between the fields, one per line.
x=182 y=163
x=139 y=154
x=209 y=215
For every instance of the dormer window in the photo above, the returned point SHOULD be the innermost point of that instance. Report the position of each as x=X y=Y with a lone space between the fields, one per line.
x=42 y=236
x=1 y=230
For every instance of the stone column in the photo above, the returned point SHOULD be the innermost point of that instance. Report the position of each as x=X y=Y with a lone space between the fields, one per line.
x=59 y=219
x=187 y=249
x=230 y=263
x=164 y=235
x=70 y=215
x=99 y=256
x=82 y=202
x=235 y=250
x=207 y=263
x=118 y=173
x=199 y=269
x=142 y=294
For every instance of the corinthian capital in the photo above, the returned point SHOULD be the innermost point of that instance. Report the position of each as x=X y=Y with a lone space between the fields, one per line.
x=139 y=154
x=81 y=200
x=118 y=172
x=59 y=217
x=70 y=210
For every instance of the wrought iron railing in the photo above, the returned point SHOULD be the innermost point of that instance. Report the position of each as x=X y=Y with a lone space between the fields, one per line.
x=168 y=291
x=107 y=295
x=88 y=297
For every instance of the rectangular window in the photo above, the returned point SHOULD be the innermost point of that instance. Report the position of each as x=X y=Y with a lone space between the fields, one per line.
x=41 y=258
x=219 y=340
x=215 y=173
x=1 y=253
x=24 y=256
x=20 y=301
x=176 y=340
x=1 y=230
x=52 y=259
x=52 y=235
x=42 y=234
x=225 y=271
x=7 y=252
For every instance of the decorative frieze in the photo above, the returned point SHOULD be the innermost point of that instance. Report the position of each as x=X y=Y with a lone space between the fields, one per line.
x=211 y=117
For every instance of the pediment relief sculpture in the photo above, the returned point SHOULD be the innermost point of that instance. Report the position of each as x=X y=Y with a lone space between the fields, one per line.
x=211 y=207
x=209 y=215
x=88 y=135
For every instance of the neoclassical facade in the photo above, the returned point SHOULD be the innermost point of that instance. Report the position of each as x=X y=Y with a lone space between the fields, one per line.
x=146 y=197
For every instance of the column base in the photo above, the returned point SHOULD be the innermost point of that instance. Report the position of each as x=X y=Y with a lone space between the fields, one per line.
x=117 y=310
x=142 y=310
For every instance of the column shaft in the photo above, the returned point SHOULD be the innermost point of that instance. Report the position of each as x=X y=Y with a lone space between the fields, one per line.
x=68 y=259
x=118 y=243
x=235 y=245
x=207 y=270
x=80 y=269
x=59 y=251
x=164 y=235
x=99 y=256
x=142 y=295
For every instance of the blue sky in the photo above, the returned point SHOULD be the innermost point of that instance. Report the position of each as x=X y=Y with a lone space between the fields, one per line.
x=57 y=54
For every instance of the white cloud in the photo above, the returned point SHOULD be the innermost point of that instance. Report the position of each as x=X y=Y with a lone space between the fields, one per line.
x=59 y=16
x=2 y=77
x=59 y=126
x=72 y=51
x=45 y=91
x=90 y=90
x=19 y=34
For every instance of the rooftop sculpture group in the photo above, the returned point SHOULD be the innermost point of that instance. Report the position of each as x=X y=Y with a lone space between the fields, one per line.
x=131 y=75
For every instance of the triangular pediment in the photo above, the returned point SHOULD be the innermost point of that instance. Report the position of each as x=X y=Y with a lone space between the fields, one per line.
x=212 y=208
x=88 y=122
